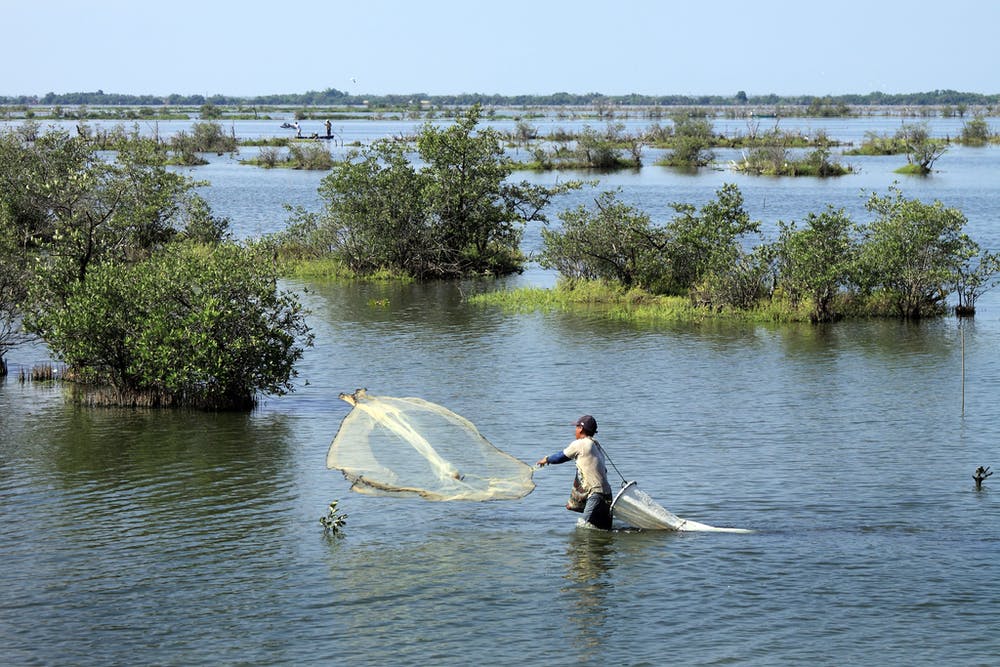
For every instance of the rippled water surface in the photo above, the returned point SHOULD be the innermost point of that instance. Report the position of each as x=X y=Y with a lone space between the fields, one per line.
x=177 y=538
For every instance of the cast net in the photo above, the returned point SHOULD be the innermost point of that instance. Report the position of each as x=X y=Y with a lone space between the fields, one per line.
x=409 y=446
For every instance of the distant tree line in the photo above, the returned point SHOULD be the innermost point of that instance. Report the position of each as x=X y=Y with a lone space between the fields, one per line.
x=335 y=97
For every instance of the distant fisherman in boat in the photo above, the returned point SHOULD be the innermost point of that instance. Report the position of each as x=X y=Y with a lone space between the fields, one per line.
x=591 y=491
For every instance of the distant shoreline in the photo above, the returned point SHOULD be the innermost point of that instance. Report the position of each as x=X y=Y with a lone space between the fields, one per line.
x=334 y=97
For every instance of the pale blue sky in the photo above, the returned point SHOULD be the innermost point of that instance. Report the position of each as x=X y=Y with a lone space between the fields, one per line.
x=657 y=47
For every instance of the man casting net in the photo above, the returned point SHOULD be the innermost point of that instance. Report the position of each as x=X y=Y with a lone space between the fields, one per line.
x=409 y=446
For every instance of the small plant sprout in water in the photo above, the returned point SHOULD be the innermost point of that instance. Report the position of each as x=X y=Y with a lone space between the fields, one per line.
x=981 y=474
x=334 y=521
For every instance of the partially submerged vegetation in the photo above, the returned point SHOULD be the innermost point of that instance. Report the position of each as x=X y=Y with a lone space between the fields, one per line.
x=690 y=140
x=205 y=137
x=311 y=156
x=134 y=285
x=121 y=269
x=456 y=215
x=912 y=140
x=711 y=262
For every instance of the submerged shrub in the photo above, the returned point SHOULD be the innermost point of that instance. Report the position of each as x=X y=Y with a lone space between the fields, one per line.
x=191 y=326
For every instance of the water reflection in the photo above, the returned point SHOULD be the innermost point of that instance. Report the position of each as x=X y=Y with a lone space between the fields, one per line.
x=119 y=477
x=590 y=557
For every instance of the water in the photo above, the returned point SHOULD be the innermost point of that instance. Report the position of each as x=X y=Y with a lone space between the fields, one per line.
x=178 y=538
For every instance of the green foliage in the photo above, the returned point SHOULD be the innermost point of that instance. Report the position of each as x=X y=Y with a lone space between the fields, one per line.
x=525 y=132
x=741 y=283
x=92 y=244
x=879 y=144
x=816 y=261
x=210 y=111
x=455 y=215
x=189 y=326
x=200 y=226
x=976 y=132
x=76 y=208
x=312 y=156
x=465 y=187
x=63 y=208
x=692 y=141
x=268 y=157
x=333 y=522
x=910 y=253
x=13 y=280
x=901 y=264
x=602 y=151
x=306 y=236
x=606 y=300
x=696 y=249
x=770 y=160
x=818 y=163
x=590 y=149
x=307 y=155
x=611 y=241
x=205 y=137
x=921 y=150
x=374 y=216
x=973 y=278
x=769 y=155
x=708 y=241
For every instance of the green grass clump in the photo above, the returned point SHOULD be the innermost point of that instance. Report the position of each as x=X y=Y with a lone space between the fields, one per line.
x=332 y=269
x=635 y=305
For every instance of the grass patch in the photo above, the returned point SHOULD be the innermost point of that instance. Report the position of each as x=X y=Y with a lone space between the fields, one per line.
x=603 y=299
x=312 y=157
x=332 y=269
x=279 y=142
x=912 y=169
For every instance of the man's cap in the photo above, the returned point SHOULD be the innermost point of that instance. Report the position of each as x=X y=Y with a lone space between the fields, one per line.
x=587 y=423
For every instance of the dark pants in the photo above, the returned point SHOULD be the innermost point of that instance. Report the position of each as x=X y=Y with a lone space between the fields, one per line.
x=597 y=511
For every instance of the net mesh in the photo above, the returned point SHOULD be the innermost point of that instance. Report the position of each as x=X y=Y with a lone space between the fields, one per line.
x=409 y=446
x=637 y=508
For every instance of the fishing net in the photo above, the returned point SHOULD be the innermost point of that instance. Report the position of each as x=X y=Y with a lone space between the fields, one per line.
x=637 y=508
x=409 y=446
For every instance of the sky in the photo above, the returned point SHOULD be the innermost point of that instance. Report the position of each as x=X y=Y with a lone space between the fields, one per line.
x=506 y=47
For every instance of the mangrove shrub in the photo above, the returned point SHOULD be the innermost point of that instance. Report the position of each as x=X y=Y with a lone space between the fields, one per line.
x=128 y=278
x=815 y=262
x=910 y=253
x=455 y=214
x=698 y=249
x=191 y=325
x=905 y=262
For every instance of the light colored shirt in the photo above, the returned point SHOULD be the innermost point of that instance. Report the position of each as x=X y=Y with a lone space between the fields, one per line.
x=590 y=464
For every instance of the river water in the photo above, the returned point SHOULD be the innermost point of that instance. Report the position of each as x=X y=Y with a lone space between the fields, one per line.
x=180 y=538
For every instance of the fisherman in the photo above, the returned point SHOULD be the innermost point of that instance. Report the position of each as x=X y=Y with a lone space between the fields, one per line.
x=592 y=472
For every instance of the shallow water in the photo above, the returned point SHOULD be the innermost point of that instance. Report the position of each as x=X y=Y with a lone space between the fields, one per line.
x=176 y=538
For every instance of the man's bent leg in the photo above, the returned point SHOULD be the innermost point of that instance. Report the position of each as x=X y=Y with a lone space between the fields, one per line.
x=597 y=511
